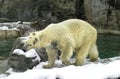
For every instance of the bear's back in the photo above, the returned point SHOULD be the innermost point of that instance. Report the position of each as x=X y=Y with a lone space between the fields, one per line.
x=71 y=26
x=76 y=25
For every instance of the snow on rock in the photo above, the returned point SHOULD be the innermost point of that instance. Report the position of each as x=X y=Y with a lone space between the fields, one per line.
x=19 y=52
x=24 y=28
x=4 y=28
x=14 y=25
x=28 y=54
x=32 y=53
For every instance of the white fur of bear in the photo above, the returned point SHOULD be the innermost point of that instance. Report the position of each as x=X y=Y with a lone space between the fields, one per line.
x=69 y=35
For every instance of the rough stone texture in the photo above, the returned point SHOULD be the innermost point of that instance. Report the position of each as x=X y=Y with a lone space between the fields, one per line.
x=21 y=63
x=3 y=66
x=102 y=13
x=34 y=9
x=19 y=44
x=16 y=29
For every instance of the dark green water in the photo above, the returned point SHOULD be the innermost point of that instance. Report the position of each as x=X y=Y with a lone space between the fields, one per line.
x=108 y=46
x=5 y=46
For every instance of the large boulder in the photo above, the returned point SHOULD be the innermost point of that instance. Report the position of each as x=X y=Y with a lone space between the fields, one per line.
x=19 y=43
x=21 y=61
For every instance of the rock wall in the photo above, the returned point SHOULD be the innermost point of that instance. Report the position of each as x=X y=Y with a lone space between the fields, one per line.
x=9 y=33
x=16 y=29
x=37 y=9
x=102 y=13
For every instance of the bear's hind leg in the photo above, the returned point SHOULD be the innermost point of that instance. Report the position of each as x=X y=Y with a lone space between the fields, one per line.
x=81 y=54
x=93 y=53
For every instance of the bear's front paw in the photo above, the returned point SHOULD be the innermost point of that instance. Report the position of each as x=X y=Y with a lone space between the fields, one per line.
x=79 y=63
x=47 y=66
x=66 y=63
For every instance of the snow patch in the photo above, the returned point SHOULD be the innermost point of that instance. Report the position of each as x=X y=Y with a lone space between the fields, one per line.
x=88 y=71
x=4 y=28
x=28 y=54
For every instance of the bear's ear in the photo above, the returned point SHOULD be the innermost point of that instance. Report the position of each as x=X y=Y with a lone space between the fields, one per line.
x=33 y=33
x=36 y=40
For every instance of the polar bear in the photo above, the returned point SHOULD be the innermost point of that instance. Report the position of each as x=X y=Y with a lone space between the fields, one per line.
x=68 y=36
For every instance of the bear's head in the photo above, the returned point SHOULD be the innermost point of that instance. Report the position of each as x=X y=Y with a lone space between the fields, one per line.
x=32 y=41
x=38 y=39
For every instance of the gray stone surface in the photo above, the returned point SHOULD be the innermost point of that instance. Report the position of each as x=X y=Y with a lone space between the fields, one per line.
x=3 y=66
x=102 y=13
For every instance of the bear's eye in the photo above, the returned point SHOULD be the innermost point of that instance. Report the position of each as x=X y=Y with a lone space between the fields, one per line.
x=30 y=45
x=36 y=39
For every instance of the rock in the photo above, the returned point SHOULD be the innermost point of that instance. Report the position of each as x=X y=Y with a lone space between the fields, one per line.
x=102 y=13
x=3 y=66
x=9 y=33
x=103 y=31
x=15 y=29
x=4 y=28
x=29 y=10
x=20 y=63
x=21 y=60
x=2 y=58
x=19 y=43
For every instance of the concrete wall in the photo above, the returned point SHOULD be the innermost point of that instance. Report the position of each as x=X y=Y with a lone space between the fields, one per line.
x=9 y=33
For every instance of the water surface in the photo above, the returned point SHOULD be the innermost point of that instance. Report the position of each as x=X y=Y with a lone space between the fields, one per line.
x=108 y=45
